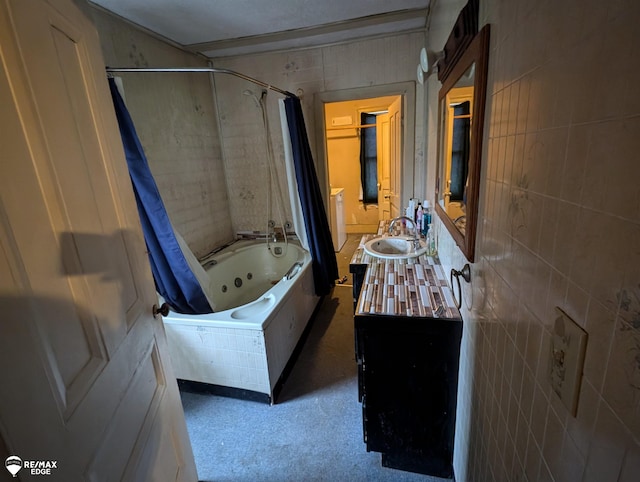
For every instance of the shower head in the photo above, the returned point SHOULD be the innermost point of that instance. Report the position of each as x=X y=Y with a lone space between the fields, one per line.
x=252 y=95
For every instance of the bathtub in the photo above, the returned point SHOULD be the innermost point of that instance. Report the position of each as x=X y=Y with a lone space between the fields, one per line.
x=263 y=304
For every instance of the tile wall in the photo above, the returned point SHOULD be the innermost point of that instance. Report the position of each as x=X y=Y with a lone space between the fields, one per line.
x=227 y=357
x=305 y=72
x=559 y=227
x=175 y=118
x=209 y=157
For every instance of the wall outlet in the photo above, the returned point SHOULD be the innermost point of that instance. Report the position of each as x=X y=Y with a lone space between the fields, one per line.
x=568 y=347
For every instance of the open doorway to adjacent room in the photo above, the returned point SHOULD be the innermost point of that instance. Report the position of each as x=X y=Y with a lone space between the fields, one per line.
x=363 y=139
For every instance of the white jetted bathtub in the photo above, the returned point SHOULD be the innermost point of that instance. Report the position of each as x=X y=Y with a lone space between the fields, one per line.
x=263 y=300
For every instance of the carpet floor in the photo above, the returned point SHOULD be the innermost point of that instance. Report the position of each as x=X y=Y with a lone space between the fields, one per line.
x=314 y=431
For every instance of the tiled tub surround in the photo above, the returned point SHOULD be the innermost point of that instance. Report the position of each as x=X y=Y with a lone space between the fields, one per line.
x=246 y=347
x=176 y=119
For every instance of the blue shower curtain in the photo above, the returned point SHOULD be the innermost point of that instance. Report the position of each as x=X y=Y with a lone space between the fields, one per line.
x=325 y=267
x=174 y=279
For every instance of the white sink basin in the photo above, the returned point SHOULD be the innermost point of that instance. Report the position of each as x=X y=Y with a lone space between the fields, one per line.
x=393 y=247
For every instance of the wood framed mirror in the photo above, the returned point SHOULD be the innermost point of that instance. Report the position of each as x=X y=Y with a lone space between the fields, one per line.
x=460 y=131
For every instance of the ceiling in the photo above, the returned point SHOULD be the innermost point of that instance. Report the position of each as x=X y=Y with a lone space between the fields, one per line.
x=219 y=28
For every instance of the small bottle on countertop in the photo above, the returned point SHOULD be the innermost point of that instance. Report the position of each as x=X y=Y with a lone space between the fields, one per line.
x=418 y=219
x=411 y=209
x=432 y=250
x=426 y=217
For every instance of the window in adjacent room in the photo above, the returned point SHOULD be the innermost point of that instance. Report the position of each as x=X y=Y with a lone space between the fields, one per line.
x=368 y=159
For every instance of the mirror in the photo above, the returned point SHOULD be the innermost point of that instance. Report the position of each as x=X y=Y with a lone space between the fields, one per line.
x=460 y=122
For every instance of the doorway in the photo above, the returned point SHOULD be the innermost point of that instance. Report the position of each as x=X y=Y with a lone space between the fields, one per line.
x=339 y=120
x=362 y=141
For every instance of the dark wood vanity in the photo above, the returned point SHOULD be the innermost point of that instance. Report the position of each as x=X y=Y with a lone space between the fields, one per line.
x=407 y=326
x=407 y=343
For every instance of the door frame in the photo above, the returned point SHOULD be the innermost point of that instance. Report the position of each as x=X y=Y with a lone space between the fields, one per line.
x=407 y=91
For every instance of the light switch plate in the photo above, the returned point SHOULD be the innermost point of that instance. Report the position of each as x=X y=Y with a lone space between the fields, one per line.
x=568 y=347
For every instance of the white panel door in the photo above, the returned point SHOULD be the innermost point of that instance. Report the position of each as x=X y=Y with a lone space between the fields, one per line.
x=384 y=167
x=86 y=380
x=395 y=161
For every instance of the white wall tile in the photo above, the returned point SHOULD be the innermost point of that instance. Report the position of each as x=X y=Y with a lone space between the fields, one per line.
x=350 y=65
x=559 y=214
x=175 y=118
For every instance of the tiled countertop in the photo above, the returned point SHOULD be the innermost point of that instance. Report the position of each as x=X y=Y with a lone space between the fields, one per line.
x=403 y=287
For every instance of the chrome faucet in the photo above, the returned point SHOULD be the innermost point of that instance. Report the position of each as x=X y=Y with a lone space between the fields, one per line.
x=416 y=234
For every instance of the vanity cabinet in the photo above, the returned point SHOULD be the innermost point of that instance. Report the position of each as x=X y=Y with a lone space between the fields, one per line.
x=407 y=342
x=358 y=271
x=408 y=379
x=360 y=262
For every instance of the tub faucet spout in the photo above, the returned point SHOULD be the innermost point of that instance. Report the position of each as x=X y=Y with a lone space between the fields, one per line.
x=278 y=233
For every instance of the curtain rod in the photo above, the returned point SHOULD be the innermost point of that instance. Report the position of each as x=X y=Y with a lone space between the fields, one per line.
x=202 y=69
